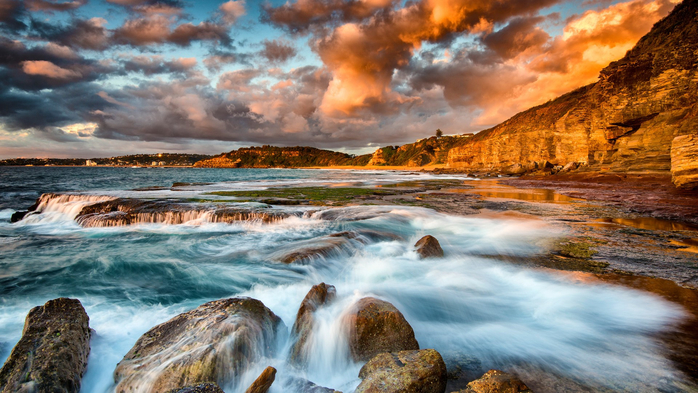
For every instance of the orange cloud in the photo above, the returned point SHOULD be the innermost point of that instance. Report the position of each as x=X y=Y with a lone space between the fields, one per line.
x=48 y=69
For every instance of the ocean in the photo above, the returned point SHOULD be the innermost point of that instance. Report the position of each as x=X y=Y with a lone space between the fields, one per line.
x=472 y=304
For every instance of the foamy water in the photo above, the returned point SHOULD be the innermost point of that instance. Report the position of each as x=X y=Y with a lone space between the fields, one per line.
x=469 y=304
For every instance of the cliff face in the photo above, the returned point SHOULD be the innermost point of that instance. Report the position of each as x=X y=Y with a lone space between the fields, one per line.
x=423 y=152
x=624 y=122
x=281 y=157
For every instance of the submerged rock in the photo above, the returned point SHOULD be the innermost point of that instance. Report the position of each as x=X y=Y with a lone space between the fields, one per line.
x=202 y=388
x=308 y=250
x=318 y=296
x=215 y=342
x=376 y=326
x=263 y=382
x=405 y=371
x=429 y=247
x=495 y=381
x=300 y=385
x=52 y=354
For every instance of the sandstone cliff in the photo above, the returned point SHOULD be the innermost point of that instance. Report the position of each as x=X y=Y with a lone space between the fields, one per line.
x=625 y=122
x=281 y=157
x=423 y=152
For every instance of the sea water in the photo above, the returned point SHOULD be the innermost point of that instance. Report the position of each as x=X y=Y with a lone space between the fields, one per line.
x=472 y=304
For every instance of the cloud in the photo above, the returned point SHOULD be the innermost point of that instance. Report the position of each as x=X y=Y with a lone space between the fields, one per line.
x=12 y=13
x=368 y=41
x=303 y=15
x=156 y=29
x=232 y=10
x=277 y=51
x=48 y=69
x=150 y=65
x=52 y=5
x=78 y=33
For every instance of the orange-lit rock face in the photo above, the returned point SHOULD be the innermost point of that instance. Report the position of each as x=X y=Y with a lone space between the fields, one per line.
x=684 y=161
x=624 y=122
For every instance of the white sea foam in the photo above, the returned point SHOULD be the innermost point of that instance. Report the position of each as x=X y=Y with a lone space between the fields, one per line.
x=470 y=302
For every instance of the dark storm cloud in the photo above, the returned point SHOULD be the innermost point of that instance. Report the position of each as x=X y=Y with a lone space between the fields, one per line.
x=20 y=110
x=12 y=15
x=519 y=35
x=277 y=51
x=78 y=33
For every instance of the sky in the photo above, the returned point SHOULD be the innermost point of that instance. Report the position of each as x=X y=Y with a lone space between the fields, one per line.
x=99 y=78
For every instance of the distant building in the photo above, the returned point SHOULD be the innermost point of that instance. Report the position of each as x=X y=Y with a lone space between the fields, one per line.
x=90 y=163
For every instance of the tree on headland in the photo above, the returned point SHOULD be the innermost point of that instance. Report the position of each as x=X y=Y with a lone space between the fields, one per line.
x=439 y=133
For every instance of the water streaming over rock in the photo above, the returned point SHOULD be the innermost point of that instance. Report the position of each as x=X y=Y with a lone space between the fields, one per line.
x=474 y=306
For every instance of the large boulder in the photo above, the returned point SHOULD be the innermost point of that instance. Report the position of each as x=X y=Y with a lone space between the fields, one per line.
x=215 y=342
x=495 y=381
x=263 y=382
x=52 y=354
x=405 y=371
x=318 y=296
x=429 y=247
x=684 y=161
x=202 y=388
x=376 y=326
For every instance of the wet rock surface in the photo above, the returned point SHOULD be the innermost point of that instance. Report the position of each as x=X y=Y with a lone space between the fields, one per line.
x=202 y=388
x=318 y=296
x=52 y=354
x=127 y=211
x=215 y=342
x=429 y=247
x=376 y=326
x=263 y=382
x=404 y=371
x=496 y=381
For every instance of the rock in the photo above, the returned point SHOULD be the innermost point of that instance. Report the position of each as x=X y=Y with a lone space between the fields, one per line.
x=318 y=296
x=405 y=371
x=429 y=247
x=300 y=385
x=130 y=211
x=684 y=162
x=18 y=215
x=308 y=250
x=52 y=354
x=203 y=388
x=376 y=326
x=215 y=342
x=570 y=166
x=263 y=382
x=495 y=381
x=623 y=122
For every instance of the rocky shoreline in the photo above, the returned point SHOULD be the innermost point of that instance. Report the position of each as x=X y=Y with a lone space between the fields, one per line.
x=605 y=236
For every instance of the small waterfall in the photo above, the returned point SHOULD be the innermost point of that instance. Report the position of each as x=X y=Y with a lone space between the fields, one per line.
x=52 y=207
x=99 y=211
x=178 y=214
